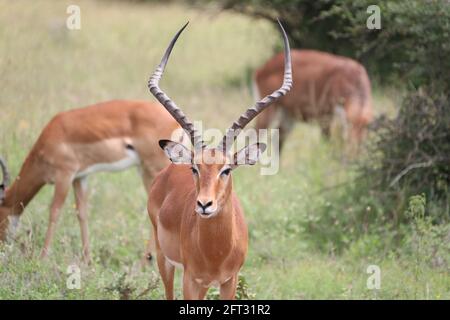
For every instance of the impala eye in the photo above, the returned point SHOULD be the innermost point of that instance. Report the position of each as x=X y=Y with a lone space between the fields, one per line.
x=194 y=171
x=226 y=172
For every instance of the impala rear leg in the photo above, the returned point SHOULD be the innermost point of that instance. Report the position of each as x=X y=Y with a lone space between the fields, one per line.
x=62 y=187
x=80 y=189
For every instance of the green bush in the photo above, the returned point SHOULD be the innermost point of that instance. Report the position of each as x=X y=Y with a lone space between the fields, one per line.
x=406 y=156
x=340 y=218
x=411 y=153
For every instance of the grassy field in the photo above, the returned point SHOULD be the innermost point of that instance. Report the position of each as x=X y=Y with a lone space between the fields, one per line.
x=45 y=68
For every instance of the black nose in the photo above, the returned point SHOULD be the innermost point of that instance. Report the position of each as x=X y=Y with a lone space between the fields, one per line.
x=204 y=206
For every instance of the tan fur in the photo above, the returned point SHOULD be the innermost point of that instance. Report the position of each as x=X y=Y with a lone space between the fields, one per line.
x=322 y=82
x=78 y=139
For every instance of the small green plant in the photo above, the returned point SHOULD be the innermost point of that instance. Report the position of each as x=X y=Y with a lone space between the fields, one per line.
x=416 y=211
x=243 y=291
x=127 y=289
x=428 y=243
x=122 y=286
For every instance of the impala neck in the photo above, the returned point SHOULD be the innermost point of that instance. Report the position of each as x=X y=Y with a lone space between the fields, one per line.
x=24 y=188
x=214 y=234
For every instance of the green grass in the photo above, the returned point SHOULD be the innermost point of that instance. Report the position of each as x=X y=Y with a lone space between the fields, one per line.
x=46 y=69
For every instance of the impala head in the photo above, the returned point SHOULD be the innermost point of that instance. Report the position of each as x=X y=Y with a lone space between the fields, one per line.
x=211 y=167
x=5 y=181
x=211 y=170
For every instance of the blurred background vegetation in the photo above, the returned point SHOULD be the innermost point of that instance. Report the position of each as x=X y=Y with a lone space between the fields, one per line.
x=407 y=155
x=412 y=44
x=316 y=225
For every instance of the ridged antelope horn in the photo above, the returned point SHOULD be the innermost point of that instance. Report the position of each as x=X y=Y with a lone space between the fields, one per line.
x=179 y=116
x=252 y=112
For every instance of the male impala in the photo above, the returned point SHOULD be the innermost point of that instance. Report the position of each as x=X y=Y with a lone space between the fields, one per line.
x=324 y=85
x=109 y=136
x=197 y=219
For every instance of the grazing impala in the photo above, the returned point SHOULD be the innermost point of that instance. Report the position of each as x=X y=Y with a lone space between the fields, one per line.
x=109 y=136
x=198 y=222
x=325 y=85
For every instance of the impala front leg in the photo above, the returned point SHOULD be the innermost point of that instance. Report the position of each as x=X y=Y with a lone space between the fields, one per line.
x=166 y=270
x=80 y=189
x=61 y=189
x=228 y=289
x=192 y=290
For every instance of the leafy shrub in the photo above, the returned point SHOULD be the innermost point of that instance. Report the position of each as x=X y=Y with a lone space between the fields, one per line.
x=411 y=153
x=127 y=287
x=341 y=217
x=406 y=156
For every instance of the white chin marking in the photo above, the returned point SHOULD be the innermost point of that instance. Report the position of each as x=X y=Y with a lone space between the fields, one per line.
x=208 y=215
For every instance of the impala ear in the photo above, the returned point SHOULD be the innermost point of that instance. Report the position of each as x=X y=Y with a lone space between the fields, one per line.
x=249 y=155
x=176 y=152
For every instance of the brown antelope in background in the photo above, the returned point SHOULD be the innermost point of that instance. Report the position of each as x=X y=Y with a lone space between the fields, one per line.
x=325 y=86
x=198 y=222
x=108 y=136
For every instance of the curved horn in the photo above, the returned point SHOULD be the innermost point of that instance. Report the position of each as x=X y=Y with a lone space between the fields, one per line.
x=177 y=114
x=5 y=172
x=252 y=112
